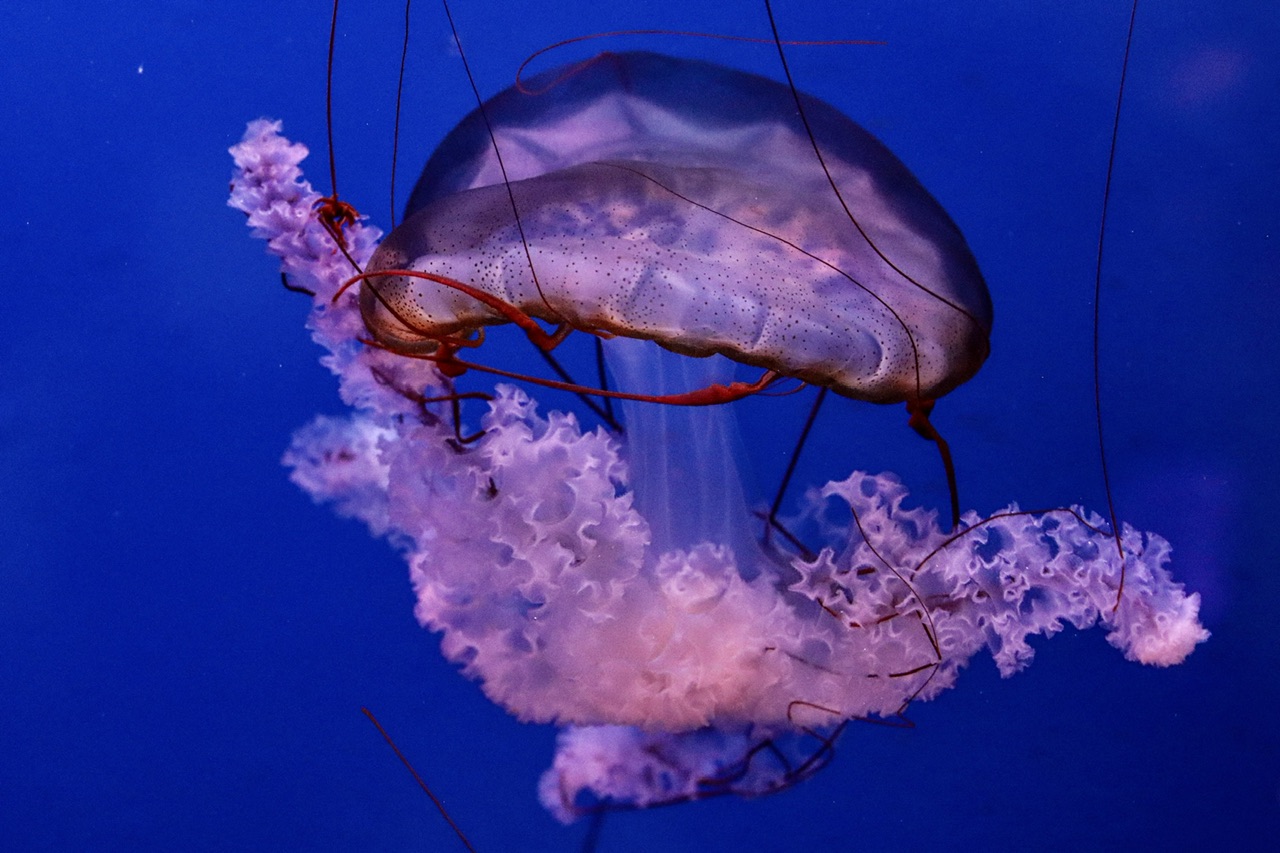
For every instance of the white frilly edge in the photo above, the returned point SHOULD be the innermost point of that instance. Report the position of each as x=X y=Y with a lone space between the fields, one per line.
x=527 y=555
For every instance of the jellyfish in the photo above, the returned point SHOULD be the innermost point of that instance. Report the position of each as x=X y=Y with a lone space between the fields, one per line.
x=616 y=584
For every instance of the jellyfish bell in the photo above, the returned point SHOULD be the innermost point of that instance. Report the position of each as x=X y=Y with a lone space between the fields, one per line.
x=682 y=202
x=558 y=571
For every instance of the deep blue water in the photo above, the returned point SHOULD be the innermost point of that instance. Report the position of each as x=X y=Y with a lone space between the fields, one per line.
x=186 y=641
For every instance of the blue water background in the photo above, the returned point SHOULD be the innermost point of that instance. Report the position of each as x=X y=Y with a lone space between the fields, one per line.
x=186 y=641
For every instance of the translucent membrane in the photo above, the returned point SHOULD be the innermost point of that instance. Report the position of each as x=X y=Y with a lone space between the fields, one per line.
x=683 y=202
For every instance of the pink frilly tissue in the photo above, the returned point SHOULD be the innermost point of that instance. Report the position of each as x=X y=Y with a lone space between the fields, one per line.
x=670 y=662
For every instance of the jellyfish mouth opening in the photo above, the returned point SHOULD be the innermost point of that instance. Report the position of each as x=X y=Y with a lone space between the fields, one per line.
x=687 y=463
